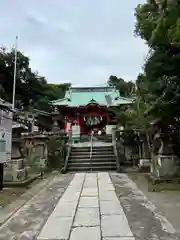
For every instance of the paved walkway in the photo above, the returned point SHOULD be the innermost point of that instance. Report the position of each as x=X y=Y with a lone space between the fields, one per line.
x=95 y=206
x=31 y=211
x=89 y=209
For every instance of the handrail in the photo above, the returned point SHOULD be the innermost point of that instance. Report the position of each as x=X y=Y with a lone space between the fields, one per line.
x=68 y=153
x=67 y=159
x=91 y=148
x=115 y=151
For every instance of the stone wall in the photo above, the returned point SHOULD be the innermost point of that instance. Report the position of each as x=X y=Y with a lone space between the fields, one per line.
x=165 y=166
x=37 y=154
x=15 y=170
x=41 y=147
x=30 y=155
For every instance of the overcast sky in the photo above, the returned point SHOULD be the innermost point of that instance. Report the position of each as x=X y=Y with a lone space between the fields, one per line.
x=77 y=41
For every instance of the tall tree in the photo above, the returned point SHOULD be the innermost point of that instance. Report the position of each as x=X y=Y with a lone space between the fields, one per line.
x=30 y=86
x=126 y=89
x=158 y=23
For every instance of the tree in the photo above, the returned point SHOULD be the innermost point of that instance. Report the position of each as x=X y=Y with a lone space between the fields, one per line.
x=51 y=92
x=31 y=88
x=158 y=23
x=126 y=89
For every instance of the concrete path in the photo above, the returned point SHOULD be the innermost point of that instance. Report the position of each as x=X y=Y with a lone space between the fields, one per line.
x=88 y=210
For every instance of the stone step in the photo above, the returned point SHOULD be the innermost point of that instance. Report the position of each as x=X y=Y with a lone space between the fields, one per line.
x=103 y=159
x=85 y=149
x=94 y=168
x=93 y=152
x=86 y=160
x=87 y=156
x=93 y=160
x=93 y=164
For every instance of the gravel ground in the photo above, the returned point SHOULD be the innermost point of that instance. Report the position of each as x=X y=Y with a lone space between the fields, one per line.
x=168 y=202
x=32 y=215
x=146 y=221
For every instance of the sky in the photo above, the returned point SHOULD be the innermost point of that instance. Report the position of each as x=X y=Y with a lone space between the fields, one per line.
x=77 y=41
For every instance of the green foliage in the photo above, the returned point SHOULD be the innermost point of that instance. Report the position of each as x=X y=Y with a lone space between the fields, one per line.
x=31 y=88
x=131 y=117
x=56 y=153
x=146 y=19
x=126 y=89
x=158 y=23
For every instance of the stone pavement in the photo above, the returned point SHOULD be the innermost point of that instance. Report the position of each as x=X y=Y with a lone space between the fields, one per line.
x=95 y=206
x=30 y=214
x=88 y=210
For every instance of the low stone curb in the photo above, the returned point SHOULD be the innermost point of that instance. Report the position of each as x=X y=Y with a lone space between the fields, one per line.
x=22 y=183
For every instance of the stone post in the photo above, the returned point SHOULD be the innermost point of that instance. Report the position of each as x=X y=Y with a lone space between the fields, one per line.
x=164 y=161
x=55 y=117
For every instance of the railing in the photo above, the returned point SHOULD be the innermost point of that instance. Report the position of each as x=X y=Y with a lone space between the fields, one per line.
x=69 y=145
x=115 y=150
x=91 y=148
x=67 y=159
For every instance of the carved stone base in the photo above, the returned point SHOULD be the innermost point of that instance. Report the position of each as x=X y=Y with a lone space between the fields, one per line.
x=144 y=163
x=20 y=175
x=14 y=170
x=17 y=164
x=8 y=175
x=165 y=166
x=43 y=162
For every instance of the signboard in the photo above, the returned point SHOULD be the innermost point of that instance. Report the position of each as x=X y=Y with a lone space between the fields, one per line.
x=5 y=135
x=109 y=129
x=76 y=132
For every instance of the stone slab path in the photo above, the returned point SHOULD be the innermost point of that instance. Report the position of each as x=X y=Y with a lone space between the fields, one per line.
x=30 y=213
x=88 y=210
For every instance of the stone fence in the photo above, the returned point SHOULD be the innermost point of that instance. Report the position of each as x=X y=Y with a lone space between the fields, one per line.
x=32 y=154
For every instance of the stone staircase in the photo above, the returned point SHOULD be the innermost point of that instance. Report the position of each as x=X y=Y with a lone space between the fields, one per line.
x=103 y=159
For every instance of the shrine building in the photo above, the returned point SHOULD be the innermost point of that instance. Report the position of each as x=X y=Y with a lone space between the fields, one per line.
x=89 y=107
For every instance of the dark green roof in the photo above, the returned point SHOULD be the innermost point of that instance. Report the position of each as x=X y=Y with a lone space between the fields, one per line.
x=104 y=96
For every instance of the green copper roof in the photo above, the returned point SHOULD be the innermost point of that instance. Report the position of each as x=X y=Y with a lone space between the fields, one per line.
x=104 y=96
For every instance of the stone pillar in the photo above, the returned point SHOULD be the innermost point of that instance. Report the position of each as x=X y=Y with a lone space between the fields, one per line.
x=55 y=117
x=164 y=162
x=14 y=170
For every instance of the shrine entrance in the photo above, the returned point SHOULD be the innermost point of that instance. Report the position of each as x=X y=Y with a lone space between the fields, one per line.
x=90 y=108
x=94 y=119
